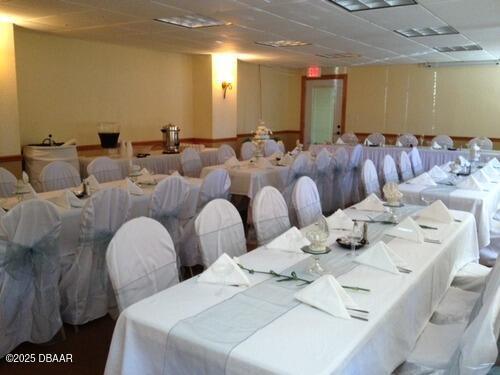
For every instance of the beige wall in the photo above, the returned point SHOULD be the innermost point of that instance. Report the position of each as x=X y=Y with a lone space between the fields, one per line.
x=202 y=96
x=9 y=118
x=67 y=86
x=458 y=101
x=279 y=95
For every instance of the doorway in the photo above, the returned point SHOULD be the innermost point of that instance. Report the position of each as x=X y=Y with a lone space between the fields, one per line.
x=323 y=108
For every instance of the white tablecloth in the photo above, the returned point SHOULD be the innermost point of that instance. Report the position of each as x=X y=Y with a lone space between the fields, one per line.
x=303 y=340
x=248 y=179
x=157 y=162
x=482 y=204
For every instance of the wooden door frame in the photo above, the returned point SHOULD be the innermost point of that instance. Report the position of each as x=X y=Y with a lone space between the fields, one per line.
x=343 y=77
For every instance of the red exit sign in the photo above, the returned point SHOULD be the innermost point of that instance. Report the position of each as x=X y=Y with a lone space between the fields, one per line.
x=314 y=72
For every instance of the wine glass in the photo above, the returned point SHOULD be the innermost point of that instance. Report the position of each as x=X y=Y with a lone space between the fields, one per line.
x=355 y=237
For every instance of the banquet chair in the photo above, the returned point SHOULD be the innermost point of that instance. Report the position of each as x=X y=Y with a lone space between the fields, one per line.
x=225 y=152
x=353 y=175
x=271 y=147
x=390 y=170
x=306 y=202
x=7 y=183
x=59 y=175
x=141 y=261
x=323 y=179
x=443 y=140
x=281 y=147
x=408 y=140
x=247 y=150
x=219 y=230
x=215 y=185
x=483 y=142
x=269 y=214
x=461 y=348
x=376 y=139
x=299 y=168
x=29 y=275
x=191 y=163
x=104 y=169
x=167 y=202
x=416 y=162
x=369 y=178
x=349 y=139
x=405 y=167
x=340 y=162
x=86 y=293
x=471 y=277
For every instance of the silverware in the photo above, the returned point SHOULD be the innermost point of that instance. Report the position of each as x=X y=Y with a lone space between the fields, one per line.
x=430 y=240
x=358 y=317
x=358 y=310
x=426 y=227
x=403 y=270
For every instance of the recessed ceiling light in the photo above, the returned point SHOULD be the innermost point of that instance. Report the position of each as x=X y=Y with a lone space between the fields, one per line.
x=340 y=55
x=193 y=21
x=358 y=5
x=283 y=43
x=469 y=47
x=426 y=31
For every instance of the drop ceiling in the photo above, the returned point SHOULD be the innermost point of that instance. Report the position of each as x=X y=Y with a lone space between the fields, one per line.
x=352 y=38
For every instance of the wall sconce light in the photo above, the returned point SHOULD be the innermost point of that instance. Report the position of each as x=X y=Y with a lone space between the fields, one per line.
x=225 y=86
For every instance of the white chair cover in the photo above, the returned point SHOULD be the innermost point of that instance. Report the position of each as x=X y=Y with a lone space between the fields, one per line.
x=323 y=178
x=225 y=152
x=353 y=175
x=483 y=142
x=85 y=290
x=7 y=183
x=390 y=170
x=299 y=168
x=166 y=205
x=306 y=202
x=349 y=139
x=59 y=175
x=141 y=261
x=443 y=140
x=376 y=139
x=247 y=150
x=405 y=167
x=340 y=163
x=104 y=169
x=29 y=274
x=191 y=163
x=281 y=146
x=270 y=147
x=369 y=178
x=215 y=185
x=219 y=230
x=408 y=140
x=416 y=162
x=269 y=214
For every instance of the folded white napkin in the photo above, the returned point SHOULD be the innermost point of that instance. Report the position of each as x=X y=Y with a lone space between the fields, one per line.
x=327 y=295
x=436 y=212
x=292 y=240
x=92 y=183
x=371 y=203
x=224 y=271
x=446 y=167
x=263 y=163
x=340 y=141
x=231 y=162
x=286 y=160
x=437 y=173
x=494 y=163
x=25 y=178
x=462 y=161
x=470 y=183
x=491 y=172
x=367 y=142
x=409 y=230
x=482 y=177
x=131 y=187
x=146 y=178
x=436 y=146
x=68 y=200
x=424 y=179
x=476 y=147
x=399 y=144
x=379 y=256
x=339 y=220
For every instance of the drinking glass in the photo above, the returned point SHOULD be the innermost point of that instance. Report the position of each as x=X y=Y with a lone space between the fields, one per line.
x=355 y=237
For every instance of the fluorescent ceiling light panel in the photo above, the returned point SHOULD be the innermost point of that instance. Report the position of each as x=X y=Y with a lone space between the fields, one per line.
x=283 y=43
x=192 y=21
x=426 y=31
x=358 y=5
x=340 y=55
x=470 y=47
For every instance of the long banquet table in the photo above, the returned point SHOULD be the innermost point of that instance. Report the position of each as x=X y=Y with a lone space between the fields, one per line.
x=195 y=328
x=247 y=179
x=156 y=163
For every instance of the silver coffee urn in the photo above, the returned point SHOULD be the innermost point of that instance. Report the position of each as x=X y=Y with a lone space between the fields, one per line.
x=171 y=139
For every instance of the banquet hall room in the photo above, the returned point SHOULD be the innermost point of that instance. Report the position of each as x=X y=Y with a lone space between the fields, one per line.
x=250 y=187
